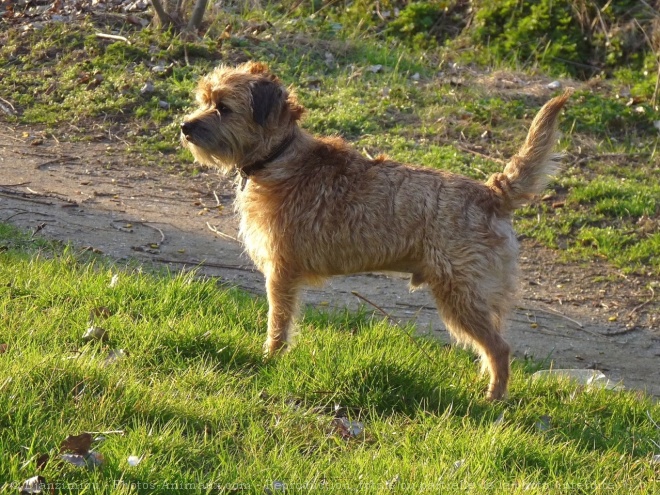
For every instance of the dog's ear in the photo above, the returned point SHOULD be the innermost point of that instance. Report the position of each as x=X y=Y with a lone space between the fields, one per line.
x=267 y=95
x=257 y=68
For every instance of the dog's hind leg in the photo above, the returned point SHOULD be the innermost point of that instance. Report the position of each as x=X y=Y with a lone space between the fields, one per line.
x=471 y=320
x=283 y=296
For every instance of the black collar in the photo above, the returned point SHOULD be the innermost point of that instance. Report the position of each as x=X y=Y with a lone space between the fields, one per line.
x=261 y=164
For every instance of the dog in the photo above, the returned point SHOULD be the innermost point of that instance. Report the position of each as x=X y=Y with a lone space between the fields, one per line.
x=312 y=208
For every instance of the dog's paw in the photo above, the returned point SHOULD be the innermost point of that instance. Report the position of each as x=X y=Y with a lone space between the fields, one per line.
x=274 y=348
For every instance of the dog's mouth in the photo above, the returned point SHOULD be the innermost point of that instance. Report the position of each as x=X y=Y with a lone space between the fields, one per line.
x=185 y=139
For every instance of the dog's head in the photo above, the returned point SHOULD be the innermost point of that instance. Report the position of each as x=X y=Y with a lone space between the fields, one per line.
x=243 y=113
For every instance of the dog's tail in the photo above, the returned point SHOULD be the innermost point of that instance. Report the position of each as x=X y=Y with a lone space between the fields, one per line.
x=529 y=171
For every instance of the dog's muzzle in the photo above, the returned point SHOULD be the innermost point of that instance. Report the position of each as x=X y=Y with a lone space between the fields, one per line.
x=187 y=129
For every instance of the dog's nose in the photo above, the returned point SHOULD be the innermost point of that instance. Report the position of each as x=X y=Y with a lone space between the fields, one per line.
x=186 y=128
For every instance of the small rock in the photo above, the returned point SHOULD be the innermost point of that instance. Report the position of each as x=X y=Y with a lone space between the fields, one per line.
x=375 y=68
x=329 y=60
x=148 y=88
x=554 y=85
x=164 y=105
x=624 y=93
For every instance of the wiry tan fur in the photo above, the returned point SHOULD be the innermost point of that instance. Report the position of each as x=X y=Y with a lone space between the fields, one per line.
x=321 y=209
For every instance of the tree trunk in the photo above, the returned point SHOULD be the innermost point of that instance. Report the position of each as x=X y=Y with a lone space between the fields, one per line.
x=162 y=16
x=197 y=15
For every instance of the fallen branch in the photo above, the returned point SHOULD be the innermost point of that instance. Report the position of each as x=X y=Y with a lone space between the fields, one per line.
x=640 y=306
x=113 y=37
x=220 y=234
x=622 y=332
x=554 y=312
x=162 y=235
x=56 y=160
x=205 y=263
x=7 y=107
x=23 y=198
x=14 y=185
x=12 y=137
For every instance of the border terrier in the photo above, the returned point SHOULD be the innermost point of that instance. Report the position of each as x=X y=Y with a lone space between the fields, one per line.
x=312 y=207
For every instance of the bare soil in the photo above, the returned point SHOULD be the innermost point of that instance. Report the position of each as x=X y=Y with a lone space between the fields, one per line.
x=98 y=195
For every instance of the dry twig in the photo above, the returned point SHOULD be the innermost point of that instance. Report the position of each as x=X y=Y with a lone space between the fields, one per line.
x=113 y=37
x=219 y=233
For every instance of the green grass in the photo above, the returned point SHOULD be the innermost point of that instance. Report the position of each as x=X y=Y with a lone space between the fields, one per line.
x=193 y=394
x=195 y=399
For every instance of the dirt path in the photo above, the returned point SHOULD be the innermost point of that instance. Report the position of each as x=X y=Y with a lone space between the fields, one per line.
x=94 y=194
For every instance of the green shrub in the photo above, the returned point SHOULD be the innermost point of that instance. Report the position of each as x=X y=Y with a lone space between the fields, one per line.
x=580 y=37
x=426 y=23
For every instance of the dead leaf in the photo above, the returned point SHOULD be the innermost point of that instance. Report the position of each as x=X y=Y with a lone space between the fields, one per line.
x=226 y=34
x=3 y=348
x=78 y=444
x=94 y=333
x=36 y=484
x=91 y=460
x=75 y=459
x=346 y=428
x=42 y=460
x=147 y=89
x=115 y=355
x=391 y=484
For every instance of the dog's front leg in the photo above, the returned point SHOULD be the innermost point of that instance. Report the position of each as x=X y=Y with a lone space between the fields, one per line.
x=283 y=294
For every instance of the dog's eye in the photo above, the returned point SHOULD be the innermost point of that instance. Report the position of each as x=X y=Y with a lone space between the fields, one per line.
x=222 y=108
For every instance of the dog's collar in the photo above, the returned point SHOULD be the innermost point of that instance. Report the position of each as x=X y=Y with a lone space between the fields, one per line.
x=253 y=168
